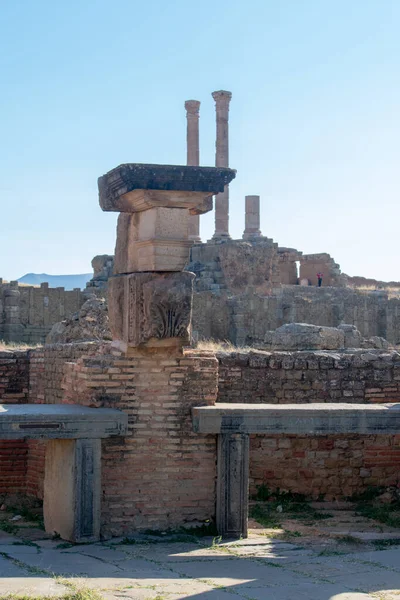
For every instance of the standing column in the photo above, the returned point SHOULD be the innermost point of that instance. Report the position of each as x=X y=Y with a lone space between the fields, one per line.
x=193 y=157
x=222 y=100
x=252 y=218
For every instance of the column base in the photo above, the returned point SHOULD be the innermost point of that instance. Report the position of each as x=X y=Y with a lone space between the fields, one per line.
x=251 y=235
x=220 y=237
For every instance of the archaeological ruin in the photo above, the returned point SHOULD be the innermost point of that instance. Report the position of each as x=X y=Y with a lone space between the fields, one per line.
x=133 y=425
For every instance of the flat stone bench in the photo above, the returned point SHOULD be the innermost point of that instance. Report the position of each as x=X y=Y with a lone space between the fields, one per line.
x=233 y=423
x=72 y=485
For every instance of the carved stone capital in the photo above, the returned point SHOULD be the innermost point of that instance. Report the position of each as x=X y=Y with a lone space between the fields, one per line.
x=150 y=308
x=222 y=100
x=192 y=108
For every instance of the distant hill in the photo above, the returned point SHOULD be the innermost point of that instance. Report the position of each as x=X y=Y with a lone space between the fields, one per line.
x=68 y=282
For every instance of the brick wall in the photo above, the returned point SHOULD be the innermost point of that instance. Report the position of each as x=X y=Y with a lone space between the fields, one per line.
x=295 y=377
x=162 y=474
x=334 y=466
x=14 y=377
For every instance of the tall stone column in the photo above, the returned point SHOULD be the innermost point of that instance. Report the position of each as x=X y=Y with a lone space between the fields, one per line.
x=222 y=99
x=252 y=218
x=193 y=157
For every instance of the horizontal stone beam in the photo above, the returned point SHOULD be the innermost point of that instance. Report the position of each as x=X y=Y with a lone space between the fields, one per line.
x=123 y=188
x=60 y=421
x=297 y=419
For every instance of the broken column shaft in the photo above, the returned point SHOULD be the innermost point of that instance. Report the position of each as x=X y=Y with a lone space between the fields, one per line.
x=193 y=157
x=222 y=100
x=252 y=218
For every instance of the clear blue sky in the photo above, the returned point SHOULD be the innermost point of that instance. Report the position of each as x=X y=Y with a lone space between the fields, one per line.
x=314 y=123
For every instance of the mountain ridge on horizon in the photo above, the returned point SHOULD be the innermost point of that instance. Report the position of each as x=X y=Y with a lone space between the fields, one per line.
x=69 y=282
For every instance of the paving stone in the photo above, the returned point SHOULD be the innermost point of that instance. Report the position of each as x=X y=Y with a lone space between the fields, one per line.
x=16 y=549
x=239 y=571
x=387 y=558
x=309 y=591
x=375 y=580
x=7 y=538
x=113 y=554
x=60 y=563
x=31 y=586
x=329 y=567
x=9 y=569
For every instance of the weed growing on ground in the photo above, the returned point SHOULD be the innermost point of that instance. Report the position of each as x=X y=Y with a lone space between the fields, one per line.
x=368 y=505
x=348 y=539
x=272 y=506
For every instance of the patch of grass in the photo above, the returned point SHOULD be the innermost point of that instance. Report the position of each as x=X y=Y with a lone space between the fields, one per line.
x=274 y=506
x=348 y=539
x=382 y=544
x=368 y=505
x=28 y=515
x=8 y=527
x=26 y=543
x=64 y=546
x=329 y=552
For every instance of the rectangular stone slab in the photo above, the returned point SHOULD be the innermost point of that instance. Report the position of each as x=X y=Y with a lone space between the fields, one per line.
x=59 y=421
x=135 y=176
x=301 y=419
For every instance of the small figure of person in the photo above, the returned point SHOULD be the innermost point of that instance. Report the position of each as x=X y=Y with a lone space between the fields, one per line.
x=319 y=277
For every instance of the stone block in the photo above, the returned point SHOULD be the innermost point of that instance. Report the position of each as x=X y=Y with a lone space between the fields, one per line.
x=150 y=308
x=72 y=489
x=136 y=187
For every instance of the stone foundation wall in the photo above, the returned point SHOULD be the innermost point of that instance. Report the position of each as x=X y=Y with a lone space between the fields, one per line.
x=332 y=466
x=298 y=377
x=14 y=377
x=47 y=368
x=162 y=474
x=14 y=383
x=244 y=318
x=27 y=313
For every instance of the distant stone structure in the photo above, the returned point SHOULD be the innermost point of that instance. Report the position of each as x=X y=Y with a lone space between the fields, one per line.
x=27 y=313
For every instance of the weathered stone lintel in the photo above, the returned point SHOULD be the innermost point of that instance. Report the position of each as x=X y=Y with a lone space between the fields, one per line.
x=59 y=421
x=307 y=419
x=118 y=183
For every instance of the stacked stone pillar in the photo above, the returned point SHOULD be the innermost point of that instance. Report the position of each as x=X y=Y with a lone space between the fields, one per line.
x=149 y=373
x=150 y=296
x=193 y=156
x=222 y=100
x=252 y=218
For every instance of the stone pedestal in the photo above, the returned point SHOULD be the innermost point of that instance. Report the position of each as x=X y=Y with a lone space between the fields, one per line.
x=252 y=218
x=72 y=488
x=222 y=100
x=232 y=484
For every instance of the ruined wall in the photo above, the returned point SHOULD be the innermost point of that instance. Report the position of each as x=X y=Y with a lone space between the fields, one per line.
x=244 y=319
x=27 y=313
x=161 y=452
x=162 y=474
x=334 y=466
x=302 y=377
x=311 y=264
x=14 y=382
